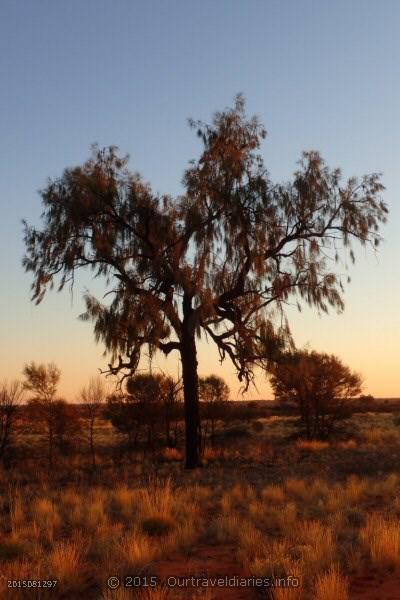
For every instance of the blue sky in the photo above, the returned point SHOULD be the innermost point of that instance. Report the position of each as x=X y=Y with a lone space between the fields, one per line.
x=323 y=75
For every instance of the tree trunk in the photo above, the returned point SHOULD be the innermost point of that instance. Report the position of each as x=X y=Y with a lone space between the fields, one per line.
x=92 y=451
x=191 y=396
x=136 y=436
x=203 y=437
x=5 y=431
x=149 y=436
x=51 y=444
x=168 y=431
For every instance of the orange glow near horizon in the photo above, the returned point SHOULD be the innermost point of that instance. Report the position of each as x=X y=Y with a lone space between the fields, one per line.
x=376 y=370
x=364 y=337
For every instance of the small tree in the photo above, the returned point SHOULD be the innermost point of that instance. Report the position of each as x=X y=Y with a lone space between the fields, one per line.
x=151 y=399
x=145 y=392
x=171 y=391
x=213 y=391
x=42 y=380
x=319 y=385
x=123 y=416
x=66 y=426
x=11 y=395
x=92 y=398
x=138 y=407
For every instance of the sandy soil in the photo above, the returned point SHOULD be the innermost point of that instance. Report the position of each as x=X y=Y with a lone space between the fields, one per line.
x=376 y=586
x=212 y=561
x=209 y=561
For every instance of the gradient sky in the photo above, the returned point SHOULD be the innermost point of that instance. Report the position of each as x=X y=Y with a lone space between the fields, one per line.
x=321 y=75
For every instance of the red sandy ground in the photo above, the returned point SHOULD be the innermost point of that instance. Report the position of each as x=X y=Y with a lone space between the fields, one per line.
x=209 y=561
x=212 y=561
x=375 y=586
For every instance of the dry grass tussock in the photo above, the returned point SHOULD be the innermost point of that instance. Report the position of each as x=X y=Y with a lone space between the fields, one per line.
x=77 y=534
x=332 y=585
x=382 y=539
x=45 y=515
x=66 y=562
x=315 y=544
x=274 y=494
x=133 y=552
x=171 y=455
x=17 y=516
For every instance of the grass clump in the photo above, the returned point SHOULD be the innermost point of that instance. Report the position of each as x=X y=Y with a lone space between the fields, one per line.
x=332 y=585
x=66 y=562
x=382 y=538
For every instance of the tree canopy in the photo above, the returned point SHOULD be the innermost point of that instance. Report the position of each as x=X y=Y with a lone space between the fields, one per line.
x=213 y=389
x=319 y=385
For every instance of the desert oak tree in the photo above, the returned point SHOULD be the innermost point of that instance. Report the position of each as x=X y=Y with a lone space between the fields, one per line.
x=220 y=261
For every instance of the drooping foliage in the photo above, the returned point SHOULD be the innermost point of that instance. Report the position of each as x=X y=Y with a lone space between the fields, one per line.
x=237 y=244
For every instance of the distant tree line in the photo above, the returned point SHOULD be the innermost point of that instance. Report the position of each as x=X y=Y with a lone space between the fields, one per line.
x=148 y=412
